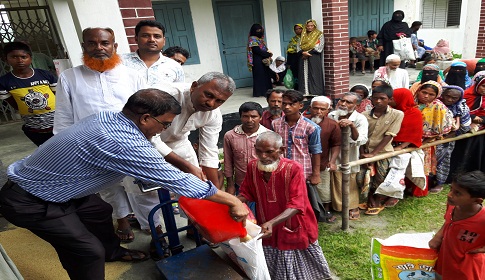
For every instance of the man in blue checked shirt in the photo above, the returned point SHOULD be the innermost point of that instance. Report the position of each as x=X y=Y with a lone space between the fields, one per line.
x=53 y=192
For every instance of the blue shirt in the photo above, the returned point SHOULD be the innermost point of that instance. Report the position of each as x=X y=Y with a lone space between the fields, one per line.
x=92 y=154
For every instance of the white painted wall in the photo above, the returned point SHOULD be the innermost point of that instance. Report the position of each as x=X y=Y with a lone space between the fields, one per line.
x=316 y=6
x=67 y=30
x=462 y=40
x=73 y=16
x=272 y=26
x=206 y=37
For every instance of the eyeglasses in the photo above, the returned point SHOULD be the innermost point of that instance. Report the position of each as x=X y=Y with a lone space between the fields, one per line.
x=166 y=125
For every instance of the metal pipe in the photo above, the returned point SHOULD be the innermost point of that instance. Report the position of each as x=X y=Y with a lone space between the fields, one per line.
x=345 y=169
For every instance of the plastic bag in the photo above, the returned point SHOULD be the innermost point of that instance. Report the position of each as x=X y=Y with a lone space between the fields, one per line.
x=289 y=80
x=249 y=255
x=403 y=256
x=404 y=48
x=393 y=185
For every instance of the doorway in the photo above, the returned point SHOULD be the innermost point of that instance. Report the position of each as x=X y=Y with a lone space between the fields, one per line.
x=233 y=21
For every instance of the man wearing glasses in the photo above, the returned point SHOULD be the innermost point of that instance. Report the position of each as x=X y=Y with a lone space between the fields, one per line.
x=53 y=192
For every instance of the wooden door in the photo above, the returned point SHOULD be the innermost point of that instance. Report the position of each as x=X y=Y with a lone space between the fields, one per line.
x=233 y=21
x=291 y=12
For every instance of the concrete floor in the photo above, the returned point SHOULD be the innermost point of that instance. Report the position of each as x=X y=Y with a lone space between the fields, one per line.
x=15 y=145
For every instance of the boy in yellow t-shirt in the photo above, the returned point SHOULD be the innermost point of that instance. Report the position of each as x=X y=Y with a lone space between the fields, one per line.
x=30 y=91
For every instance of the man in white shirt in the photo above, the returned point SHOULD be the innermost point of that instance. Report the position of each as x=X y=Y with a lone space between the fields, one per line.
x=200 y=110
x=346 y=116
x=148 y=59
x=103 y=83
x=397 y=77
x=200 y=103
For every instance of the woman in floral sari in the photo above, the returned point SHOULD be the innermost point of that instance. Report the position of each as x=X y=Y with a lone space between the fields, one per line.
x=259 y=59
x=310 y=49
x=437 y=121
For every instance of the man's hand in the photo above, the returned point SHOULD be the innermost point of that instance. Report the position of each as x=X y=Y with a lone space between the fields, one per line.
x=369 y=155
x=197 y=171
x=314 y=179
x=332 y=166
x=267 y=230
x=231 y=189
x=345 y=123
x=435 y=243
x=477 y=251
x=238 y=212
x=380 y=48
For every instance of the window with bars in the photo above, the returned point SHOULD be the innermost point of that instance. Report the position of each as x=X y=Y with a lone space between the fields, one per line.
x=441 y=13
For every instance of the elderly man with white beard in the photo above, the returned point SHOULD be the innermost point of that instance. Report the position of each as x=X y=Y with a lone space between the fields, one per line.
x=290 y=229
x=397 y=77
x=330 y=137
x=346 y=116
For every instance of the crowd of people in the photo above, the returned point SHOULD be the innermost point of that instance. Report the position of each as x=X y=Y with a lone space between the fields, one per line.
x=120 y=123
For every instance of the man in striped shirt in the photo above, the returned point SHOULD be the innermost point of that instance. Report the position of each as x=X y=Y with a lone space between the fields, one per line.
x=53 y=192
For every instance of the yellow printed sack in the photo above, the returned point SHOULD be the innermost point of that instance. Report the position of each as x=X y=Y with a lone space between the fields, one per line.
x=403 y=256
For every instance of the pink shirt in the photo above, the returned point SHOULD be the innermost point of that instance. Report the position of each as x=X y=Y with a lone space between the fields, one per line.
x=239 y=151
x=266 y=119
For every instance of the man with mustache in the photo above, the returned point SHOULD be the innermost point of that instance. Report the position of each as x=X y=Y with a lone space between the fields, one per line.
x=289 y=227
x=274 y=97
x=148 y=59
x=103 y=83
x=239 y=145
x=346 y=116
x=330 y=137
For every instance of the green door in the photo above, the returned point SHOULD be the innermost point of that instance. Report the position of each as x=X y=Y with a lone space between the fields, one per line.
x=291 y=12
x=365 y=15
x=233 y=21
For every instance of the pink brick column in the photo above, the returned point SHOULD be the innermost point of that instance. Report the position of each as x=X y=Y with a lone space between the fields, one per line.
x=481 y=33
x=336 y=51
x=132 y=11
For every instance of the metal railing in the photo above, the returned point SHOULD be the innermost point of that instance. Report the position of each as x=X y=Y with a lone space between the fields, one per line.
x=345 y=165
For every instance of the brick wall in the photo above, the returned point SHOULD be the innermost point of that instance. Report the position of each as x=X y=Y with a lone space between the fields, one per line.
x=132 y=11
x=481 y=33
x=336 y=52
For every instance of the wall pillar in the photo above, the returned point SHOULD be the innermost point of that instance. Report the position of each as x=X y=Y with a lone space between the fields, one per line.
x=481 y=33
x=132 y=11
x=336 y=51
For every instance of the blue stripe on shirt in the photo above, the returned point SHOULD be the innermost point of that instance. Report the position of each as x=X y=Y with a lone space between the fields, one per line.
x=94 y=153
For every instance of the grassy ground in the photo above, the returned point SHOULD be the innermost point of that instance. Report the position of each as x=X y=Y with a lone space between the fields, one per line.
x=348 y=253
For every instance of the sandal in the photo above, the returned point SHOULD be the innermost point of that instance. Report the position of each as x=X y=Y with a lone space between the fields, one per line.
x=126 y=235
x=132 y=256
x=153 y=250
x=391 y=202
x=363 y=206
x=374 y=211
x=203 y=240
x=436 y=189
x=363 y=72
x=330 y=218
x=354 y=214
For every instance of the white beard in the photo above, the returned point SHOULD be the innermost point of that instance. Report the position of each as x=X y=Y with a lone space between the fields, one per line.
x=268 y=167
x=317 y=120
x=341 y=113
